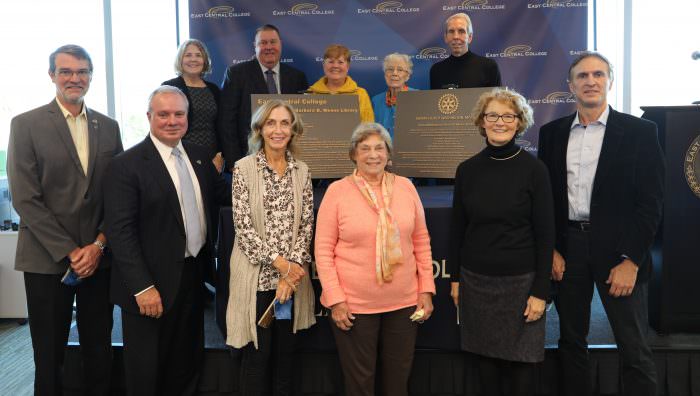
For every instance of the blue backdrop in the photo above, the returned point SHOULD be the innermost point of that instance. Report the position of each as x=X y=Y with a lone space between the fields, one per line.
x=533 y=41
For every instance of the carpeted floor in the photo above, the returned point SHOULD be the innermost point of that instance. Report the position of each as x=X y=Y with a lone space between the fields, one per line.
x=600 y=333
x=16 y=360
x=17 y=369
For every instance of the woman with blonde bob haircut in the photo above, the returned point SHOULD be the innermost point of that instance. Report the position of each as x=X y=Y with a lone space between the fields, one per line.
x=273 y=219
x=522 y=109
x=375 y=266
x=192 y=63
x=501 y=248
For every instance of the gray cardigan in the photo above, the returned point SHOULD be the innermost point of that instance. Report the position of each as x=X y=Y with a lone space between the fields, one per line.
x=240 y=313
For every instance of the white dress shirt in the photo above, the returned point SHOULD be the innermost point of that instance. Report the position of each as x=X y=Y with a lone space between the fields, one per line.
x=166 y=153
x=582 y=154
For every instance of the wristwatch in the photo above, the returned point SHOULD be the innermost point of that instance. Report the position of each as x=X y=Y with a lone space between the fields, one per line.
x=100 y=245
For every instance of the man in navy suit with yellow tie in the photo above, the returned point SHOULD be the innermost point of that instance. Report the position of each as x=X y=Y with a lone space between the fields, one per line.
x=158 y=219
x=607 y=175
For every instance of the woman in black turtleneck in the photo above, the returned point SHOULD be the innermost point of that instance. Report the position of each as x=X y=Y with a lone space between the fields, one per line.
x=501 y=247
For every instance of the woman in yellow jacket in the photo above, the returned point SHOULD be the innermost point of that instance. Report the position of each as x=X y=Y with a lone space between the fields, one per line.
x=336 y=63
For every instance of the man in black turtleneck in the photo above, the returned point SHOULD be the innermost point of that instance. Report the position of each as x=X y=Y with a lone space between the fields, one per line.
x=464 y=68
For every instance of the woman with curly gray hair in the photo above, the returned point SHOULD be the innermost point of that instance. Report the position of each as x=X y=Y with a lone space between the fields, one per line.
x=501 y=247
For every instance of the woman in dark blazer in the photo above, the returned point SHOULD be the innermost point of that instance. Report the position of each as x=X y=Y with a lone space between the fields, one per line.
x=192 y=63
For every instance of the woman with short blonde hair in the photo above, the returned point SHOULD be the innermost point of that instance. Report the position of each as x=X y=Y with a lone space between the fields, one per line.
x=335 y=80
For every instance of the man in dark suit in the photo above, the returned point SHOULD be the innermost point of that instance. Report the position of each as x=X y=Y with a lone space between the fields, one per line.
x=158 y=220
x=463 y=68
x=56 y=158
x=606 y=170
x=261 y=75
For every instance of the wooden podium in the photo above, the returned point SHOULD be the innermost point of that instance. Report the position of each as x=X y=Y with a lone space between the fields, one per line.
x=674 y=303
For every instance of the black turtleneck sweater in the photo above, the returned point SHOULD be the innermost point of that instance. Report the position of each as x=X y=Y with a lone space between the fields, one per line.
x=467 y=71
x=502 y=216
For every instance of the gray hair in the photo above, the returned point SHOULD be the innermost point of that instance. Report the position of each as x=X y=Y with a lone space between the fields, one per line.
x=395 y=56
x=167 y=89
x=590 y=54
x=73 y=50
x=510 y=98
x=206 y=69
x=365 y=130
x=460 y=15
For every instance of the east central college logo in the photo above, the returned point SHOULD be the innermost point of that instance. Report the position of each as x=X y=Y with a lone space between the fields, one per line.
x=558 y=97
x=432 y=53
x=448 y=103
x=355 y=55
x=516 y=51
x=474 y=5
x=220 y=12
x=388 y=7
x=691 y=166
x=557 y=4
x=303 y=9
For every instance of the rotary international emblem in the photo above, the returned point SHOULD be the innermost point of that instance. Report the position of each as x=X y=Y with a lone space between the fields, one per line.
x=691 y=166
x=448 y=103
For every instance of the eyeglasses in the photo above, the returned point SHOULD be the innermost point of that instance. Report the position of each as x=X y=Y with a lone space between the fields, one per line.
x=507 y=118
x=392 y=70
x=68 y=73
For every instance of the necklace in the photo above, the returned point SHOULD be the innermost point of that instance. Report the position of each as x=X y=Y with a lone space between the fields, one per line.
x=509 y=157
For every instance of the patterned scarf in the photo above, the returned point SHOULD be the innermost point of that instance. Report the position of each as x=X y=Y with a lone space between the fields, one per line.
x=388 y=244
x=391 y=99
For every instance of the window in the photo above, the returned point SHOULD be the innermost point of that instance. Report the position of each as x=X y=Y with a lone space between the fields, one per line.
x=145 y=44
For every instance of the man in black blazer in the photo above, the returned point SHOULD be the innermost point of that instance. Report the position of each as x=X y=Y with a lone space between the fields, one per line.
x=56 y=159
x=157 y=216
x=606 y=170
x=260 y=75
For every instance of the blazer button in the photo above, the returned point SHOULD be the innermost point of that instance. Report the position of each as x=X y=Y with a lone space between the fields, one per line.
x=87 y=196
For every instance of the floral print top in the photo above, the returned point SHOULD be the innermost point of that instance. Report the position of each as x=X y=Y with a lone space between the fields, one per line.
x=278 y=201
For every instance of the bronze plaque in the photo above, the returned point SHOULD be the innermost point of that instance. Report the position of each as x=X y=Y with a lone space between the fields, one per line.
x=328 y=124
x=435 y=132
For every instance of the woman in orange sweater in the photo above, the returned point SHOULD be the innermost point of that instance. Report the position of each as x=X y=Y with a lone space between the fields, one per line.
x=374 y=262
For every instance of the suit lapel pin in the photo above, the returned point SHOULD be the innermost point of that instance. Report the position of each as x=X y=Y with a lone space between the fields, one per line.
x=94 y=124
x=199 y=162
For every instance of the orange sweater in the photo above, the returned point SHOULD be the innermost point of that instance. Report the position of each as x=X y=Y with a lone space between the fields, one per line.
x=345 y=250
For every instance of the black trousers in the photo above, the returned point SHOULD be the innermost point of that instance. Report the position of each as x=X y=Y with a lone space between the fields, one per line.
x=392 y=336
x=50 y=307
x=163 y=356
x=274 y=355
x=628 y=318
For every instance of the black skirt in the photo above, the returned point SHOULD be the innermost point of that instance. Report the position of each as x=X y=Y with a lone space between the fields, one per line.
x=491 y=317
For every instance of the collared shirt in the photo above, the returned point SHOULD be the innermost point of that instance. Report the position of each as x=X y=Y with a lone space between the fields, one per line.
x=276 y=74
x=166 y=153
x=78 y=126
x=278 y=202
x=582 y=154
